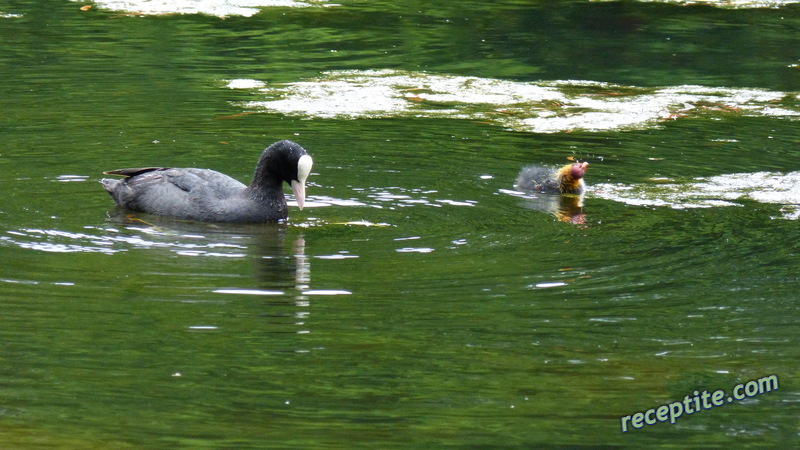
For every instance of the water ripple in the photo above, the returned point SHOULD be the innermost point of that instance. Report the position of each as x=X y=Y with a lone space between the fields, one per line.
x=111 y=240
x=247 y=292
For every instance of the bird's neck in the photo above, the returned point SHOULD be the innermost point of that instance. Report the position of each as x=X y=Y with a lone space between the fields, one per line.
x=567 y=183
x=262 y=193
x=264 y=181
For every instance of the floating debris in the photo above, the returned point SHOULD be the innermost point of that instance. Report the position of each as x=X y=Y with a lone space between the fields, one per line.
x=539 y=107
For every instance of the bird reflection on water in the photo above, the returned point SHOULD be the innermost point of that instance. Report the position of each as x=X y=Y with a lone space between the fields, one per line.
x=564 y=207
x=275 y=267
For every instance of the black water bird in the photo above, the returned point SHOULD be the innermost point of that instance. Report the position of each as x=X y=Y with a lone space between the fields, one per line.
x=209 y=196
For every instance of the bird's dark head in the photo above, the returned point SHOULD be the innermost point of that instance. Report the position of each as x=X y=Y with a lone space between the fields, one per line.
x=285 y=161
x=578 y=170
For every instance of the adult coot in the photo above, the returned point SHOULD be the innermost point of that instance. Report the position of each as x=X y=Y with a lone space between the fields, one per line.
x=209 y=196
x=546 y=180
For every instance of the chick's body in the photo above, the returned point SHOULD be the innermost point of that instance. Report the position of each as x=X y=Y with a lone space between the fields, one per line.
x=546 y=180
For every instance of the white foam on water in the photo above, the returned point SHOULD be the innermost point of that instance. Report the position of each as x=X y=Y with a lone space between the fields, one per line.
x=721 y=190
x=538 y=107
x=218 y=8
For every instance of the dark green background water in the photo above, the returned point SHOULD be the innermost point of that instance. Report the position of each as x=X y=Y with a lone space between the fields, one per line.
x=125 y=331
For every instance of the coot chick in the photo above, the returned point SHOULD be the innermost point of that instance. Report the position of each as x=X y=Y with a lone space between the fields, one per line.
x=546 y=180
x=210 y=196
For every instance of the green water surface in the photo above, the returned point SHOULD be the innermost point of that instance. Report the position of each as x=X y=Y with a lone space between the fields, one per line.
x=426 y=307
